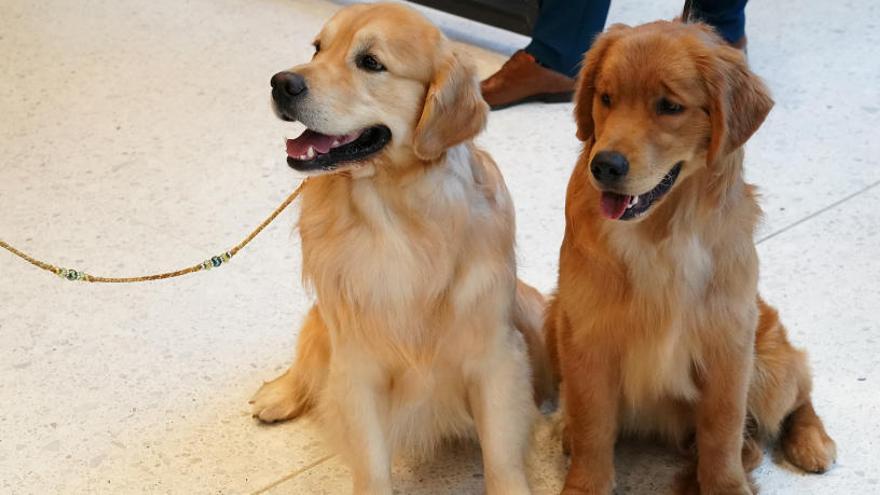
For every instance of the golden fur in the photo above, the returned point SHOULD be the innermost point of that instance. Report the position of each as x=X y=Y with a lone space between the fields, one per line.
x=421 y=330
x=657 y=327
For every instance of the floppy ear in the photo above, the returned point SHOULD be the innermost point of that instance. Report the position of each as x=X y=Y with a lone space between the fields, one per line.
x=739 y=100
x=454 y=109
x=586 y=89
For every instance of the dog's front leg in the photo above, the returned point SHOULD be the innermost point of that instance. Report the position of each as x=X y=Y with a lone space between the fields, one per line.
x=721 y=412
x=590 y=395
x=501 y=403
x=356 y=411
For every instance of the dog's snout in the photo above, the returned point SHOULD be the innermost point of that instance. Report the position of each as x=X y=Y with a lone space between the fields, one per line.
x=609 y=167
x=290 y=84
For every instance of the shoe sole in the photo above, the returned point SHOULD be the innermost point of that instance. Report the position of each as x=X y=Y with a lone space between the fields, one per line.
x=538 y=98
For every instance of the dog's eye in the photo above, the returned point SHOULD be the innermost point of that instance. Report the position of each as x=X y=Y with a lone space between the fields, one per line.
x=606 y=99
x=666 y=107
x=369 y=63
x=317 y=46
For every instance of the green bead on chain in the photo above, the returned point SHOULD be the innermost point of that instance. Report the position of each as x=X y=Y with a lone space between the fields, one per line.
x=216 y=261
x=72 y=275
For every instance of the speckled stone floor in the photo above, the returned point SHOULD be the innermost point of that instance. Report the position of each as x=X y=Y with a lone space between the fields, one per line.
x=136 y=136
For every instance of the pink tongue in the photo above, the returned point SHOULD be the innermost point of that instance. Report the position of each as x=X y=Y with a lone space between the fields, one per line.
x=613 y=204
x=300 y=146
x=322 y=143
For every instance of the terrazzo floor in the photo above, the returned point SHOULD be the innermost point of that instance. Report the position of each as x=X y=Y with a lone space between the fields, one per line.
x=136 y=136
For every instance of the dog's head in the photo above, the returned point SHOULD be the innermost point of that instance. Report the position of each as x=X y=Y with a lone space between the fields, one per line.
x=658 y=103
x=383 y=88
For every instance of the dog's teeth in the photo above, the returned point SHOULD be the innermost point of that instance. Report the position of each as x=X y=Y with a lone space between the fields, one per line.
x=310 y=154
x=335 y=143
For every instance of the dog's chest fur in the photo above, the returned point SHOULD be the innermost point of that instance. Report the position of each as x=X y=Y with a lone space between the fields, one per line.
x=658 y=365
x=405 y=269
x=381 y=257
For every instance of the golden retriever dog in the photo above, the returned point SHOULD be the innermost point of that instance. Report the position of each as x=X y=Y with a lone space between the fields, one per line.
x=657 y=327
x=421 y=330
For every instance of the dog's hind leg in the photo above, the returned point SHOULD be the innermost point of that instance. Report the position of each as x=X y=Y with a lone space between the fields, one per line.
x=805 y=442
x=294 y=393
x=779 y=397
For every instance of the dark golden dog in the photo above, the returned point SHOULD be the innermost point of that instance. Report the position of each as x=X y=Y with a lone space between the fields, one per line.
x=657 y=327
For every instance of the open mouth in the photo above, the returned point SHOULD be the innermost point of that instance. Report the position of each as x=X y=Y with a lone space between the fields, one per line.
x=625 y=207
x=313 y=151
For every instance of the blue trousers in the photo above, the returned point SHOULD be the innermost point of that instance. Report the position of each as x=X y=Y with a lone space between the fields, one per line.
x=565 y=29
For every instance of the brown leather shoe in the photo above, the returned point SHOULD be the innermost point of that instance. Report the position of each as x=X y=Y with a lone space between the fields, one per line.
x=522 y=79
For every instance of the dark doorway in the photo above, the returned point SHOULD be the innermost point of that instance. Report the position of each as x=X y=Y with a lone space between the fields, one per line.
x=514 y=15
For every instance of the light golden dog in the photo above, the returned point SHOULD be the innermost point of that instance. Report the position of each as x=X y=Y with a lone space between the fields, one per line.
x=421 y=330
x=657 y=327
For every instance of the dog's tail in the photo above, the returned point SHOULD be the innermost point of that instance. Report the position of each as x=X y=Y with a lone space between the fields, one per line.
x=528 y=317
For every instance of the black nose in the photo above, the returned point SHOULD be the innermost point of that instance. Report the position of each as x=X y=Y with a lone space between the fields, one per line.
x=609 y=167
x=289 y=83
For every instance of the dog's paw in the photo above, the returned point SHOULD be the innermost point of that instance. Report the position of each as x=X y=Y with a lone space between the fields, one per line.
x=587 y=483
x=576 y=491
x=686 y=483
x=278 y=400
x=810 y=448
x=571 y=490
x=743 y=489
